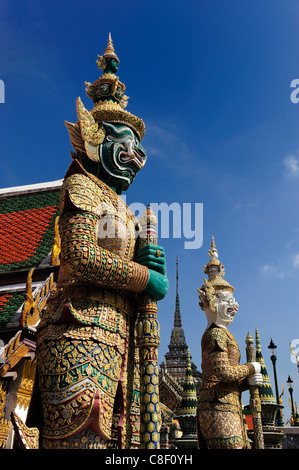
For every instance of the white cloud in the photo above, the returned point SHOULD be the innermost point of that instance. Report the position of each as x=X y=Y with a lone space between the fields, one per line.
x=272 y=270
x=166 y=142
x=246 y=205
x=163 y=138
x=291 y=163
x=296 y=260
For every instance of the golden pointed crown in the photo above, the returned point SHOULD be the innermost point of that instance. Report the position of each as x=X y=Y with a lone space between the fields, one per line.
x=216 y=274
x=215 y=282
x=108 y=54
x=213 y=262
x=107 y=93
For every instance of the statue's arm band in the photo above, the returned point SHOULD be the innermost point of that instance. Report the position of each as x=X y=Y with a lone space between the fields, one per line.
x=83 y=258
x=227 y=373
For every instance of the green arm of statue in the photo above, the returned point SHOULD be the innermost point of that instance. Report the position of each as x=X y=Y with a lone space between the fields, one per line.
x=153 y=257
x=157 y=285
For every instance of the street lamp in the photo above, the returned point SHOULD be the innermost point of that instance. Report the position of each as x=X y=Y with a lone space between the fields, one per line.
x=273 y=358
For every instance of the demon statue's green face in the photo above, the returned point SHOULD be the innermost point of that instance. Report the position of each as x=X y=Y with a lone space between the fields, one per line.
x=121 y=156
x=111 y=66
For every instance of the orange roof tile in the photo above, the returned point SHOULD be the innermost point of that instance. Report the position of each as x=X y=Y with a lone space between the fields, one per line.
x=21 y=232
x=27 y=228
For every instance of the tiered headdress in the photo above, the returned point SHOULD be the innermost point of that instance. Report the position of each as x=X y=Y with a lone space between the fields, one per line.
x=215 y=283
x=108 y=54
x=107 y=93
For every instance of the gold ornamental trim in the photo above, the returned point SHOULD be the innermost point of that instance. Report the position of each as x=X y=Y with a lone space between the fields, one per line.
x=28 y=438
x=113 y=112
x=13 y=352
x=26 y=387
x=35 y=301
x=4 y=423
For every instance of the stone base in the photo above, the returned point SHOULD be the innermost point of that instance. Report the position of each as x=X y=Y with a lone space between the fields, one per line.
x=291 y=440
x=189 y=442
x=273 y=437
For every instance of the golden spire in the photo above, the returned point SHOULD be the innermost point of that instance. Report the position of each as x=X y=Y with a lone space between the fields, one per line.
x=214 y=266
x=213 y=242
x=215 y=283
x=108 y=54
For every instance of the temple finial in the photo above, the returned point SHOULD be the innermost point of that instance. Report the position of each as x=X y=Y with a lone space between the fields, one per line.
x=257 y=338
x=213 y=242
x=177 y=275
x=214 y=268
x=213 y=253
x=177 y=314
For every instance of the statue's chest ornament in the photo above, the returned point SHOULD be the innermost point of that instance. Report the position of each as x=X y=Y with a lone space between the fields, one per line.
x=117 y=232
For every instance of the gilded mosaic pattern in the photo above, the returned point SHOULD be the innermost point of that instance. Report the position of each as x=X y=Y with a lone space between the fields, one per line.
x=86 y=341
x=90 y=352
x=219 y=404
x=99 y=245
x=223 y=431
x=71 y=375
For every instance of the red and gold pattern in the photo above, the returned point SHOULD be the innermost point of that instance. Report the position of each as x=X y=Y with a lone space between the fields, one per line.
x=28 y=438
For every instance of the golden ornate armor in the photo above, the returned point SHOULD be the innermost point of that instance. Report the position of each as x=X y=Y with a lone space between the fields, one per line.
x=220 y=418
x=220 y=407
x=87 y=351
x=81 y=377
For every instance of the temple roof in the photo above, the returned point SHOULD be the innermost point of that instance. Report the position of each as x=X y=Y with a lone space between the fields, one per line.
x=9 y=305
x=27 y=218
x=170 y=390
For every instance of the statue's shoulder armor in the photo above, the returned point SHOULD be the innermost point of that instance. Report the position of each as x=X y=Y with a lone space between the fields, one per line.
x=80 y=192
x=215 y=338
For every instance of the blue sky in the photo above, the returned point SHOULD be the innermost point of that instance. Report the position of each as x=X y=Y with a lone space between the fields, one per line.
x=211 y=80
